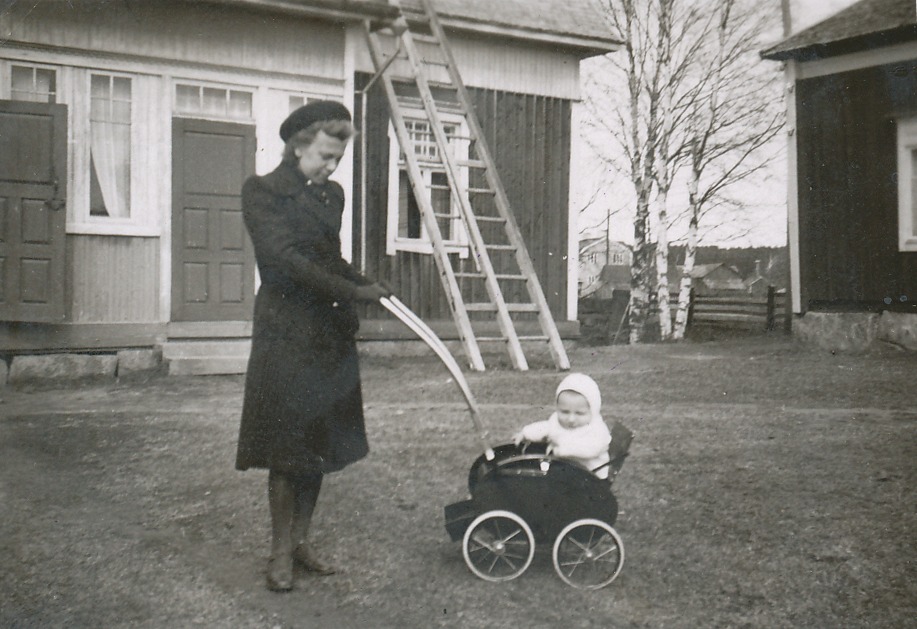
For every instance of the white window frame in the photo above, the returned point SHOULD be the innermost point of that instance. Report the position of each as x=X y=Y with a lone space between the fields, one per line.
x=907 y=182
x=251 y=91
x=80 y=220
x=395 y=243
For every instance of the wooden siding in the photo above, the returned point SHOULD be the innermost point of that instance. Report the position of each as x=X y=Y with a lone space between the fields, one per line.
x=113 y=279
x=496 y=64
x=181 y=31
x=848 y=200
x=529 y=137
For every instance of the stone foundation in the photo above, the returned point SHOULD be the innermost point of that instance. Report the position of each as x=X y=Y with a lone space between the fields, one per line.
x=899 y=328
x=65 y=368
x=856 y=331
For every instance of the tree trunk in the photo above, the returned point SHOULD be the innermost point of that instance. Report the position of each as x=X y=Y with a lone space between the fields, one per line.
x=662 y=267
x=640 y=267
x=684 y=290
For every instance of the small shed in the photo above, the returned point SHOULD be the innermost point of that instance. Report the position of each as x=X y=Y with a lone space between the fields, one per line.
x=852 y=198
x=128 y=129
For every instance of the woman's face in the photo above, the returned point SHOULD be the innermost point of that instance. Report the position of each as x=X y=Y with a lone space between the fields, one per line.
x=318 y=160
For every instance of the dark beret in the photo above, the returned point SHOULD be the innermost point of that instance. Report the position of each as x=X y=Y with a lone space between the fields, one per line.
x=310 y=113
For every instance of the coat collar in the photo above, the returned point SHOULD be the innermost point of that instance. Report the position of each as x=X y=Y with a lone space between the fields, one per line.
x=285 y=181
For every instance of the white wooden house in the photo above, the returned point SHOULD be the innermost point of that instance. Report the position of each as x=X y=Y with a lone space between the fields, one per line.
x=128 y=127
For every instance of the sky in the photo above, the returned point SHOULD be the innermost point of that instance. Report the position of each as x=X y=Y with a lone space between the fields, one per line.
x=601 y=198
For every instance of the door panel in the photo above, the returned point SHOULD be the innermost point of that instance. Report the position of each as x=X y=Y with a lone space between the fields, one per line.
x=213 y=265
x=32 y=216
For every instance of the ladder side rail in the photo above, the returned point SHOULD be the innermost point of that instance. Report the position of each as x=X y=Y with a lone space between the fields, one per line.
x=452 y=174
x=523 y=259
x=453 y=293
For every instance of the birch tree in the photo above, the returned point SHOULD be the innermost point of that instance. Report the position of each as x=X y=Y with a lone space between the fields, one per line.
x=683 y=94
x=731 y=117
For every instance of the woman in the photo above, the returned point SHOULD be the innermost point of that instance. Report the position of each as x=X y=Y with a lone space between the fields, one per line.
x=302 y=415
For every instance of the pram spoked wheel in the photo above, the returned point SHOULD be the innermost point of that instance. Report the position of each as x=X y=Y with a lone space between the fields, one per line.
x=588 y=554
x=498 y=546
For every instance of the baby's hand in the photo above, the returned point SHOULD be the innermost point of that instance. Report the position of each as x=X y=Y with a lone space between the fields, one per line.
x=549 y=450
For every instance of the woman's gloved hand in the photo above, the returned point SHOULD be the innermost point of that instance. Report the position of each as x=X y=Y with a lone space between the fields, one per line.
x=372 y=292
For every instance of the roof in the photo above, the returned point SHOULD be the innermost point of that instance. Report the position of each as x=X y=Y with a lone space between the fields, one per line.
x=864 y=25
x=578 y=25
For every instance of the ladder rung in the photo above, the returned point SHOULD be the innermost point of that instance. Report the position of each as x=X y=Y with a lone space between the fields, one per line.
x=487 y=307
x=490 y=219
x=522 y=307
x=481 y=191
x=509 y=276
x=434 y=186
x=471 y=163
x=533 y=338
x=479 y=276
x=434 y=62
x=447 y=215
x=426 y=39
x=501 y=247
x=491 y=339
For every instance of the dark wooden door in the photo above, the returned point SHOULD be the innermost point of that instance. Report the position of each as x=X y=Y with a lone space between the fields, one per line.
x=33 y=177
x=213 y=264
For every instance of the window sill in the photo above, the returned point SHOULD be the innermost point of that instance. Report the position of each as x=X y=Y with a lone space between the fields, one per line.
x=114 y=229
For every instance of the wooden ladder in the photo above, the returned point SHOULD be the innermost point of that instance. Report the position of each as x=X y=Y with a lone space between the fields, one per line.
x=498 y=258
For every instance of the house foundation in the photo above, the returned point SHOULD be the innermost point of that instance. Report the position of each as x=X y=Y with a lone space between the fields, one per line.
x=856 y=332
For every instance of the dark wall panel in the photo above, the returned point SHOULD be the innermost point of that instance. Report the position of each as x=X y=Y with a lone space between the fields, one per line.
x=529 y=137
x=848 y=198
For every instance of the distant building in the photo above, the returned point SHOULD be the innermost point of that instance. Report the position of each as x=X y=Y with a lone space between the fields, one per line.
x=603 y=263
x=710 y=279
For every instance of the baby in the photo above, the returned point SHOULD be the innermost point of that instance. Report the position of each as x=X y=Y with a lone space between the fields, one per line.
x=575 y=430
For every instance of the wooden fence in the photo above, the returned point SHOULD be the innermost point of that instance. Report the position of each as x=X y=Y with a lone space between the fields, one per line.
x=750 y=312
x=605 y=320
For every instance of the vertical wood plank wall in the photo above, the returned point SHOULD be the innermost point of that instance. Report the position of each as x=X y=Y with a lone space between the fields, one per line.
x=113 y=279
x=529 y=137
x=848 y=198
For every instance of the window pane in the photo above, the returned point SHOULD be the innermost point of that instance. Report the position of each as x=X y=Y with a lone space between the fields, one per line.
x=214 y=101
x=37 y=85
x=110 y=146
x=442 y=203
x=187 y=98
x=408 y=211
x=240 y=104
x=296 y=102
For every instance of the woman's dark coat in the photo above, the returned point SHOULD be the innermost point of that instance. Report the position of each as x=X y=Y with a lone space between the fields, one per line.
x=303 y=408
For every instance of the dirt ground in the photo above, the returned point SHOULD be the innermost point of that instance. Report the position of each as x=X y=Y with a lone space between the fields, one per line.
x=769 y=486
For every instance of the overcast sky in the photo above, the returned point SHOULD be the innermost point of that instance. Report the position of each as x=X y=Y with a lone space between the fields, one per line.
x=765 y=217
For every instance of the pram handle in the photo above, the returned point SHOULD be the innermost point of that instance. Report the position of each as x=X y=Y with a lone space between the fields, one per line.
x=415 y=323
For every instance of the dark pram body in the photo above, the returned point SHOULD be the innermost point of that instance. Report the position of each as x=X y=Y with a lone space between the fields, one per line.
x=525 y=497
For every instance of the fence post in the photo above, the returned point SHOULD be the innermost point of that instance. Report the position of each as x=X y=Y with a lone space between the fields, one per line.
x=690 y=318
x=771 y=302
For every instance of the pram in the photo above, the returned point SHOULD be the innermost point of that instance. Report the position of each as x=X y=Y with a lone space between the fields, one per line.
x=521 y=497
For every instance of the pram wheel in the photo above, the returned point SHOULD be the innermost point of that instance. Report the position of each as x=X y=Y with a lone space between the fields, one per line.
x=498 y=546
x=588 y=554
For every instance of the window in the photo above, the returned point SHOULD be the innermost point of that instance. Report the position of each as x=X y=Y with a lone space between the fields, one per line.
x=406 y=231
x=213 y=102
x=110 y=146
x=907 y=184
x=36 y=85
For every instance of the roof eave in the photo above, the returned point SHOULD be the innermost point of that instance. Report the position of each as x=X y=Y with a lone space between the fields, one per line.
x=582 y=46
x=318 y=10
x=822 y=50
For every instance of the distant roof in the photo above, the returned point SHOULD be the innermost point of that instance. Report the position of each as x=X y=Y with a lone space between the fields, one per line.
x=578 y=25
x=861 y=26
